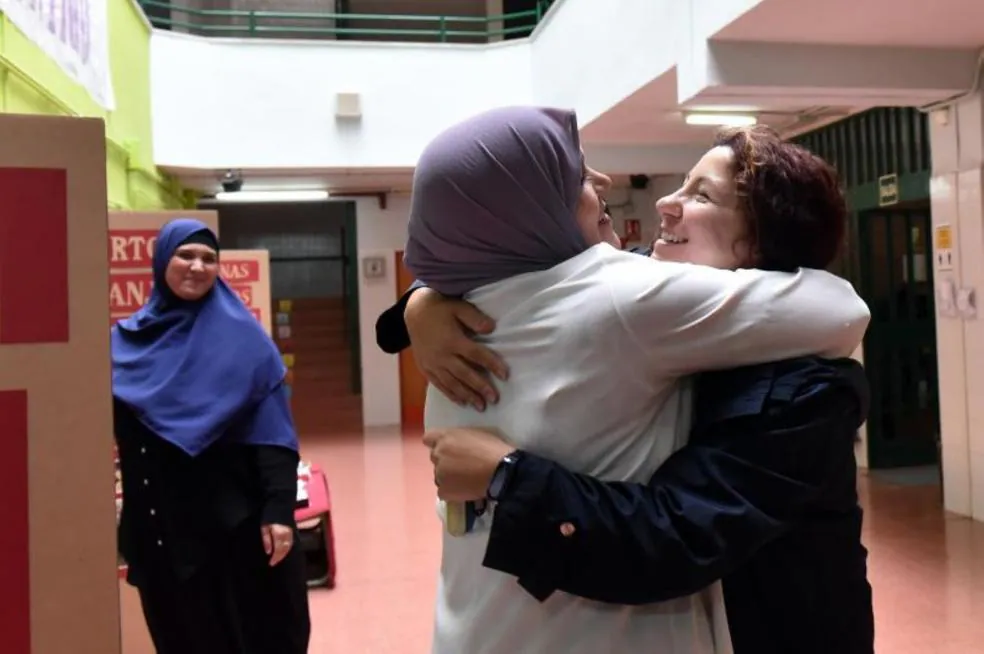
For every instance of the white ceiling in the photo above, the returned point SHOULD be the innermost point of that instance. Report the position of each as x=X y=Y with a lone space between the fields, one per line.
x=359 y=180
x=340 y=182
x=910 y=23
x=652 y=116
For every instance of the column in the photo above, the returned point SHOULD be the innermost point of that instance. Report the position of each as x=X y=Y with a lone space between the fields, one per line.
x=957 y=139
x=494 y=8
x=58 y=586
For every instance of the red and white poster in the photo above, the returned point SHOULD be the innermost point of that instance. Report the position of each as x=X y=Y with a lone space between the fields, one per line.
x=248 y=273
x=131 y=239
x=58 y=591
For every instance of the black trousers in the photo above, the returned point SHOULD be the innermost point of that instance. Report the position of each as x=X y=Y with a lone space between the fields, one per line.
x=237 y=604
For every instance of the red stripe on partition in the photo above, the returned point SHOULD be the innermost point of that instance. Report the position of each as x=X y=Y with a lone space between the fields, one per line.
x=15 y=556
x=33 y=256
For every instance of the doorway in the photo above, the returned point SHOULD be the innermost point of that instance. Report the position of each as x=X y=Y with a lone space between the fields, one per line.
x=413 y=385
x=900 y=346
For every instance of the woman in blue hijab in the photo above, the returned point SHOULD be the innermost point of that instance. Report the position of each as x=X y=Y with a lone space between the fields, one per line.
x=209 y=455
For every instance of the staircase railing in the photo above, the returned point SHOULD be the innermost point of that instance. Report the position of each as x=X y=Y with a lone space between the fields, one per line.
x=338 y=25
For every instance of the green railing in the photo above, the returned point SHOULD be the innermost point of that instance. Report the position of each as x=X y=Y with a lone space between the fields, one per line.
x=342 y=25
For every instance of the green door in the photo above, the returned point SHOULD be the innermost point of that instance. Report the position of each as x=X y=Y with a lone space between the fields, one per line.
x=896 y=267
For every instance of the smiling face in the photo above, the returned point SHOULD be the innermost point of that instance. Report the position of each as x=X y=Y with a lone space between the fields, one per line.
x=192 y=270
x=702 y=222
x=592 y=214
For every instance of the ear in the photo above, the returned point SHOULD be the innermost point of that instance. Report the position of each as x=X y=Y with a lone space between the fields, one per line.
x=747 y=253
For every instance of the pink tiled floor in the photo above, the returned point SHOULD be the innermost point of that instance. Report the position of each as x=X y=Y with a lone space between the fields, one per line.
x=927 y=568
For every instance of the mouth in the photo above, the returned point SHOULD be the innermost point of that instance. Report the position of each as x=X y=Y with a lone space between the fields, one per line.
x=666 y=238
x=606 y=217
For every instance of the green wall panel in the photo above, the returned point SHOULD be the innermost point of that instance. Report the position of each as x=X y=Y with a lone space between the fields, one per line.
x=31 y=83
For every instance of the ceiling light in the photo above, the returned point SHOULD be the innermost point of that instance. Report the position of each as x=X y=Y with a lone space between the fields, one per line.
x=272 y=196
x=721 y=120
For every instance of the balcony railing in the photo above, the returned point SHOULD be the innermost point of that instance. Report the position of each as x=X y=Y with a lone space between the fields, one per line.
x=342 y=25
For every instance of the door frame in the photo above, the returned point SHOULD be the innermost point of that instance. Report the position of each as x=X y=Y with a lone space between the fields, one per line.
x=886 y=335
x=413 y=384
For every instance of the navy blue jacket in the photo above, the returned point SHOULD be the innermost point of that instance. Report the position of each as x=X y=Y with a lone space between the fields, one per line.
x=763 y=497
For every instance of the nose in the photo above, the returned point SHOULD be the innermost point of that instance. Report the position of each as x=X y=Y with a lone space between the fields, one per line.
x=604 y=183
x=197 y=265
x=669 y=208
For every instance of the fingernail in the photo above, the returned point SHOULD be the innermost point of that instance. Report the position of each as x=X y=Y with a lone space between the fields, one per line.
x=490 y=397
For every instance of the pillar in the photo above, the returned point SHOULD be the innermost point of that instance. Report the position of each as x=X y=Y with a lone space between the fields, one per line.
x=58 y=584
x=957 y=140
x=494 y=8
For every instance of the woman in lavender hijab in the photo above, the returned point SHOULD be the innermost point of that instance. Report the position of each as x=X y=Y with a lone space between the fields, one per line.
x=598 y=343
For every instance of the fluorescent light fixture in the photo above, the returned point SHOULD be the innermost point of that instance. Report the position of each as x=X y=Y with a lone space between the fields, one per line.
x=272 y=196
x=721 y=120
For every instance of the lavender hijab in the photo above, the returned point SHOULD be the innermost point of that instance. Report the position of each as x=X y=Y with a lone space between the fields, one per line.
x=496 y=196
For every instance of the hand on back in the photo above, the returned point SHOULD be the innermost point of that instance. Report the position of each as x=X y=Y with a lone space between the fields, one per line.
x=441 y=331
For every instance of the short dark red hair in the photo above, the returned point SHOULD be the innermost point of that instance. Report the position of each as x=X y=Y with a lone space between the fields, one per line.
x=794 y=208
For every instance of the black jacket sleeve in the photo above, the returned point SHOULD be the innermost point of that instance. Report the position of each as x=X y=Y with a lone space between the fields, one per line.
x=705 y=511
x=391 y=328
x=277 y=467
x=274 y=465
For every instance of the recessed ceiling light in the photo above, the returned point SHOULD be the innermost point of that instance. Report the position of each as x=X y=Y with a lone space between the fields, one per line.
x=721 y=120
x=272 y=196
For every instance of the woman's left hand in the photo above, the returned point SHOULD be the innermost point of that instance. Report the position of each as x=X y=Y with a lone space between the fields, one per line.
x=277 y=541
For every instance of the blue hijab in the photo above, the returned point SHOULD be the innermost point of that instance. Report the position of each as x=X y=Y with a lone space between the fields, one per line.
x=193 y=371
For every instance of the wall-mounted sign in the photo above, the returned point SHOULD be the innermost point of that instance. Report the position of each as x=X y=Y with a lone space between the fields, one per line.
x=75 y=35
x=374 y=267
x=943 y=247
x=888 y=190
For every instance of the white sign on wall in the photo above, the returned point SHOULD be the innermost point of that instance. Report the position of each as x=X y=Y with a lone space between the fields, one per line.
x=943 y=247
x=73 y=33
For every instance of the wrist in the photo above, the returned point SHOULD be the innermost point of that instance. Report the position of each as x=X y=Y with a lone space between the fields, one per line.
x=418 y=298
x=503 y=476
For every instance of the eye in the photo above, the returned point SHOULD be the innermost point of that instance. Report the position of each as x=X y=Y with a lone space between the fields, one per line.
x=702 y=197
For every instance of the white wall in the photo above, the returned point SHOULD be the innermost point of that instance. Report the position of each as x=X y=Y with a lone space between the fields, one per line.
x=591 y=55
x=957 y=196
x=381 y=233
x=627 y=203
x=270 y=104
x=263 y=103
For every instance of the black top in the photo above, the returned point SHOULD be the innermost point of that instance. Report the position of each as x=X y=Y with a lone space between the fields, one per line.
x=763 y=497
x=391 y=328
x=177 y=508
